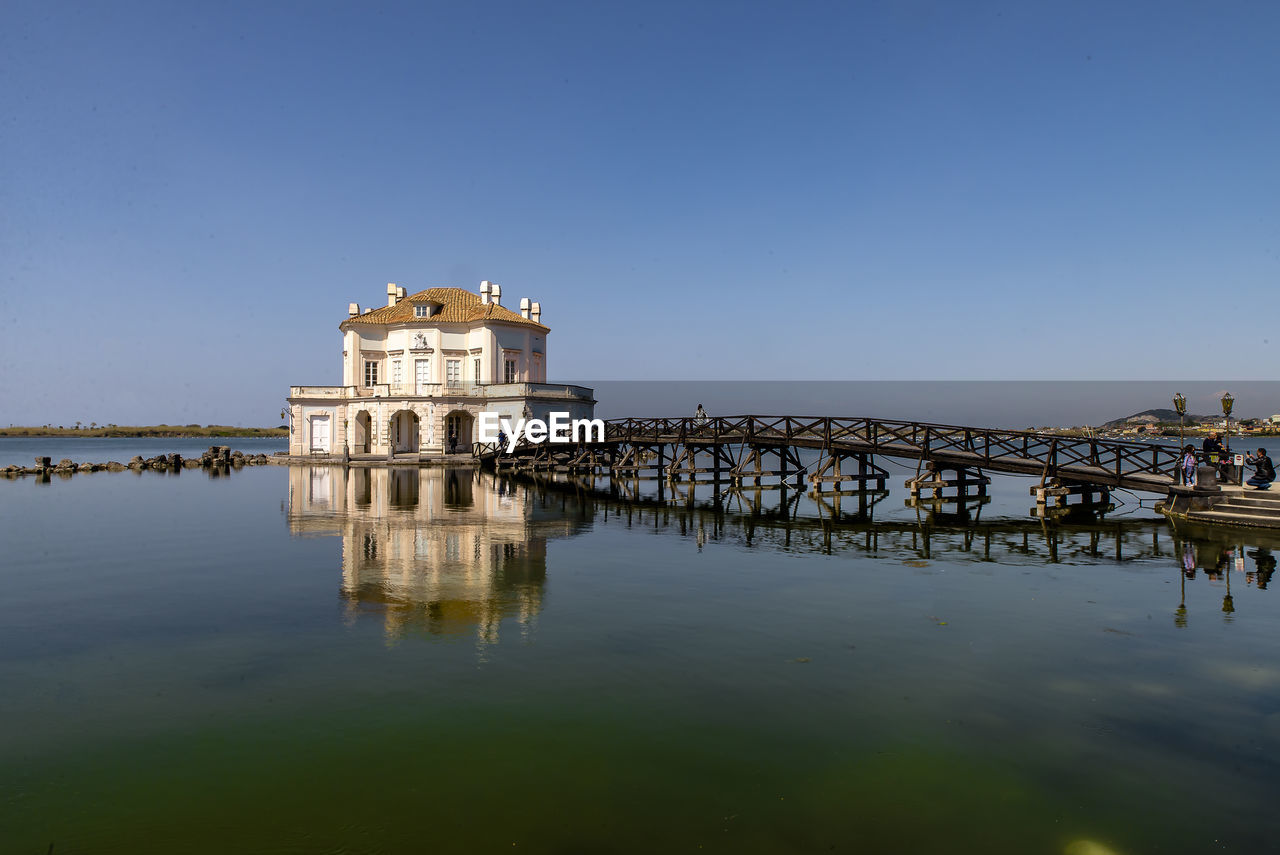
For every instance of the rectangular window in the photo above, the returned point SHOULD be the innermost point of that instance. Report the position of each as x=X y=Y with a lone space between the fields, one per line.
x=395 y=372
x=453 y=372
x=509 y=371
x=370 y=373
x=475 y=365
x=423 y=369
x=422 y=311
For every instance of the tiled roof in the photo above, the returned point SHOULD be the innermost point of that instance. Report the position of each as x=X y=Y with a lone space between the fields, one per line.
x=458 y=305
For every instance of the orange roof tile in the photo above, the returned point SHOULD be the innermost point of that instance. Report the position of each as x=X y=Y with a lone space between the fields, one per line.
x=458 y=305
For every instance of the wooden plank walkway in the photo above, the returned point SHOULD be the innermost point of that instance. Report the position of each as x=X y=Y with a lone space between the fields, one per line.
x=735 y=444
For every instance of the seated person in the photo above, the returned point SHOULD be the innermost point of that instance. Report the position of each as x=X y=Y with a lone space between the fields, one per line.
x=1215 y=454
x=1263 y=470
x=1212 y=447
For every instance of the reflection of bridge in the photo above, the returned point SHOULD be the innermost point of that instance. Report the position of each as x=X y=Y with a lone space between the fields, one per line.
x=735 y=516
x=752 y=448
x=455 y=551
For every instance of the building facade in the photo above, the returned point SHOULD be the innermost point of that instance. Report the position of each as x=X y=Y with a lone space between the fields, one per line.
x=417 y=372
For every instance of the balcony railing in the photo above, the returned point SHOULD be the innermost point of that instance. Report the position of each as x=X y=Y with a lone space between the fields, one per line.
x=565 y=391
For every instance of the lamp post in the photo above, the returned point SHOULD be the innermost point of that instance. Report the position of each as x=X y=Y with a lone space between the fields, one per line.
x=1227 y=403
x=1180 y=404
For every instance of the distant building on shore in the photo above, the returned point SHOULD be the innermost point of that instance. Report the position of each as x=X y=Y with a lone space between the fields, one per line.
x=418 y=371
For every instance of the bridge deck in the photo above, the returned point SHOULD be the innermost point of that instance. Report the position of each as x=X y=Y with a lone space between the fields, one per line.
x=1109 y=463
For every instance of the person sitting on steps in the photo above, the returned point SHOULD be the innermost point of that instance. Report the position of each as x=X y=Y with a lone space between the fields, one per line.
x=1263 y=470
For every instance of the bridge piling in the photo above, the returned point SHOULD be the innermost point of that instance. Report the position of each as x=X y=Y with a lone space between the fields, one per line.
x=932 y=481
x=1053 y=499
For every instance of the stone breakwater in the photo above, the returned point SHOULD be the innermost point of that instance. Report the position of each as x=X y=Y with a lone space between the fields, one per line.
x=219 y=458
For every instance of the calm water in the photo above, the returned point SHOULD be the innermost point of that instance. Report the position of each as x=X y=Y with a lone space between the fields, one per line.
x=309 y=659
x=22 y=450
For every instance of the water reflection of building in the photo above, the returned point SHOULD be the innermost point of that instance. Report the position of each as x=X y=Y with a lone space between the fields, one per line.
x=441 y=551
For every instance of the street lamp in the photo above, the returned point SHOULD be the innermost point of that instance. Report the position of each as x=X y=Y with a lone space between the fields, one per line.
x=1227 y=402
x=1180 y=404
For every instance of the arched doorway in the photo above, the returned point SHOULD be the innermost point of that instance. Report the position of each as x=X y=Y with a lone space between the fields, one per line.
x=457 y=432
x=361 y=436
x=404 y=432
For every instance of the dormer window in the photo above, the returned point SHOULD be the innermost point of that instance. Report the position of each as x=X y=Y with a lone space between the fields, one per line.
x=422 y=311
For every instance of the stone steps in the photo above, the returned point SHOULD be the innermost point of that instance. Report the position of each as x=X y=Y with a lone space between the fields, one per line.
x=1252 y=502
x=1233 y=518
x=1258 y=508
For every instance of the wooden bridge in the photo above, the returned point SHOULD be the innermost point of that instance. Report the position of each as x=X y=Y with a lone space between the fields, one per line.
x=829 y=452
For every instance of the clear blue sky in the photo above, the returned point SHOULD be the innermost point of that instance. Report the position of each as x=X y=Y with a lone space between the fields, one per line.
x=191 y=193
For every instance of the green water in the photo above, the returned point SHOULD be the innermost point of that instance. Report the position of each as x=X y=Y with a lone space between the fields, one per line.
x=307 y=660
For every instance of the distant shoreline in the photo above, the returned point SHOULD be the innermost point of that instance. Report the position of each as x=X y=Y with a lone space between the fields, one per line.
x=144 y=431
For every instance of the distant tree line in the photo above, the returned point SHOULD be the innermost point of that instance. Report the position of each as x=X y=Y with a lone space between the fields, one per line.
x=93 y=429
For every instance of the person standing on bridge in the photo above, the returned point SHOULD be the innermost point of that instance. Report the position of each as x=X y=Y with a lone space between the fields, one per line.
x=700 y=416
x=1189 y=465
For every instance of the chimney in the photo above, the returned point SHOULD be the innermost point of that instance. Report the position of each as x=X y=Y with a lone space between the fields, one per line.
x=401 y=294
x=393 y=293
x=484 y=292
x=495 y=293
x=535 y=313
x=353 y=309
x=524 y=307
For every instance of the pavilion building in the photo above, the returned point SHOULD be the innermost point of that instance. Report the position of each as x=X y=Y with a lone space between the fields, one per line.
x=417 y=372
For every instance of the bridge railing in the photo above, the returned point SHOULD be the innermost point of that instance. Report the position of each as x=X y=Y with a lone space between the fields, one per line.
x=984 y=446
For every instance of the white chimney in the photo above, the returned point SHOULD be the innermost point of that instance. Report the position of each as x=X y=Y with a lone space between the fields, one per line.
x=524 y=307
x=401 y=294
x=495 y=292
x=393 y=293
x=535 y=312
x=353 y=309
x=484 y=292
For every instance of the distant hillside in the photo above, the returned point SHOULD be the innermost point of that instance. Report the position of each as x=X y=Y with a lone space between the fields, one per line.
x=1149 y=417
